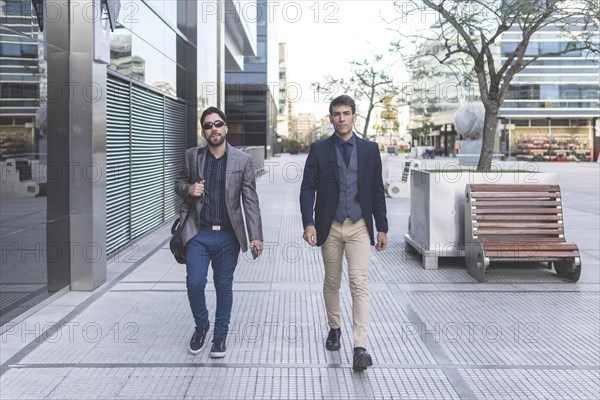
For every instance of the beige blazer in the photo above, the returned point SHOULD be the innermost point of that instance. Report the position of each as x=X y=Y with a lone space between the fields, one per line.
x=241 y=199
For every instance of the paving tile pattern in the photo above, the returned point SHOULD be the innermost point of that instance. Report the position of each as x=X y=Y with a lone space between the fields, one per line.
x=434 y=334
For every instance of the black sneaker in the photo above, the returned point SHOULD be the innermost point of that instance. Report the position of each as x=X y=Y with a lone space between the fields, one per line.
x=333 y=339
x=218 y=348
x=197 y=340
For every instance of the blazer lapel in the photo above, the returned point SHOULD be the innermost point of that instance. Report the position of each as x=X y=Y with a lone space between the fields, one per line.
x=360 y=146
x=200 y=163
x=332 y=155
x=230 y=166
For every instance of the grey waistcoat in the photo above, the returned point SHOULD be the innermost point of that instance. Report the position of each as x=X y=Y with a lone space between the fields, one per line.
x=348 y=205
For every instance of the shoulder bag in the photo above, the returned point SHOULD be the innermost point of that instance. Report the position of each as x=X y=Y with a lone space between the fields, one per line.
x=176 y=243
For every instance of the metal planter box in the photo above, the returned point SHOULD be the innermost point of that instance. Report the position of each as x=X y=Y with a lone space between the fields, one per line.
x=436 y=226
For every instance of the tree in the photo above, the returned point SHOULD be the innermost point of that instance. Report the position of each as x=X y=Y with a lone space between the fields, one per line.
x=423 y=104
x=470 y=29
x=291 y=146
x=369 y=82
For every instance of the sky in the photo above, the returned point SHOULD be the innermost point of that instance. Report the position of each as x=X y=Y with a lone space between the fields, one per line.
x=323 y=37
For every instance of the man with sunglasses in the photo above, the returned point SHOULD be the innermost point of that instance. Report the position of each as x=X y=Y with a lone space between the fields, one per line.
x=341 y=194
x=221 y=179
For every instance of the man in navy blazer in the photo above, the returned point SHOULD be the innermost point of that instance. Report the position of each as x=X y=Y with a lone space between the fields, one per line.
x=341 y=194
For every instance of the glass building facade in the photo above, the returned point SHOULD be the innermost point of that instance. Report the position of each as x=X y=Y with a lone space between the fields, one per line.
x=553 y=105
x=251 y=95
x=96 y=110
x=23 y=159
x=143 y=47
x=551 y=111
x=435 y=94
x=209 y=59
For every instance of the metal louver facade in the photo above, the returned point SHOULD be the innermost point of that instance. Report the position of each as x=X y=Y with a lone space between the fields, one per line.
x=118 y=164
x=175 y=146
x=146 y=141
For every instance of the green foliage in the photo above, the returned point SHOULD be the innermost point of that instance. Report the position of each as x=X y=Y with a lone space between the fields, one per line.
x=291 y=145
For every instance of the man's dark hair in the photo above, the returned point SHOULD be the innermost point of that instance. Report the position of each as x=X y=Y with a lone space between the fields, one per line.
x=213 y=110
x=343 y=100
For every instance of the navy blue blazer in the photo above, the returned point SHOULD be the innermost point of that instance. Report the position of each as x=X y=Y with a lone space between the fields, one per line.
x=321 y=180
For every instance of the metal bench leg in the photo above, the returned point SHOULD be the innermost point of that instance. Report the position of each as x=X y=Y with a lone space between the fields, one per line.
x=569 y=269
x=476 y=261
x=408 y=248
x=430 y=260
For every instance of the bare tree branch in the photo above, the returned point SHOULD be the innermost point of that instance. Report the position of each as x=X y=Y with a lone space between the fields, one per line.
x=370 y=82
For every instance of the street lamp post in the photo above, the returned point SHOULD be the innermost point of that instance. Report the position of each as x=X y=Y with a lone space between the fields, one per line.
x=509 y=128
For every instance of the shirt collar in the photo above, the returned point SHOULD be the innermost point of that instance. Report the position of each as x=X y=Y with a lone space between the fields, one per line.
x=352 y=140
x=215 y=158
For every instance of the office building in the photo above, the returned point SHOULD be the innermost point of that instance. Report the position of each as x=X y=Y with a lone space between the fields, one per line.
x=302 y=126
x=97 y=111
x=284 y=106
x=251 y=94
x=553 y=106
x=435 y=93
x=552 y=109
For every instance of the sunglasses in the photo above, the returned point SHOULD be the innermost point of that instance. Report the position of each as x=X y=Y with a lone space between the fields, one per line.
x=217 y=124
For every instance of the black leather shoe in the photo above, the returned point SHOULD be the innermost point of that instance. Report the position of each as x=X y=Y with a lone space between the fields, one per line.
x=333 y=339
x=361 y=359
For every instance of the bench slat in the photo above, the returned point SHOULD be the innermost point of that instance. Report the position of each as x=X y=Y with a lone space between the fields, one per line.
x=487 y=187
x=524 y=225
x=531 y=246
x=525 y=240
x=517 y=211
x=541 y=255
x=513 y=195
x=520 y=232
x=486 y=203
x=504 y=217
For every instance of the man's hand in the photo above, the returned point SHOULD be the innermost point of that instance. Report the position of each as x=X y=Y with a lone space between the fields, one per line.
x=258 y=245
x=381 y=241
x=197 y=189
x=310 y=235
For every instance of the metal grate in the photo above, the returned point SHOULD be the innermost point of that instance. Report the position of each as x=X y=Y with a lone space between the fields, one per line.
x=147 y=158
x=146 y=142
x=118 y=164
x=175 y=145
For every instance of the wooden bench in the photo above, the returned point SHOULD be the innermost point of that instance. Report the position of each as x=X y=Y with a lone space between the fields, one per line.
x=517 y=223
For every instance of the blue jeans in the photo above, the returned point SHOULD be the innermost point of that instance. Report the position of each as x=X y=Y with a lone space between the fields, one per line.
x=221 y=249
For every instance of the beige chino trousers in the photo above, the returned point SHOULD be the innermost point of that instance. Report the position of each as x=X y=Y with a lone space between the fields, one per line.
x=351 y=238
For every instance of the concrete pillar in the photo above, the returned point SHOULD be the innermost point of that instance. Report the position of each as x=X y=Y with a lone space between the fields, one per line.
x=76 y=229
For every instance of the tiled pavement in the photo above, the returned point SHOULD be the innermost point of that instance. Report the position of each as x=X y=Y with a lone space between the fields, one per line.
x=434 y=334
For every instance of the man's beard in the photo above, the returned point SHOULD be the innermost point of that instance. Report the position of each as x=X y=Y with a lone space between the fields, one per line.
x=219 y=142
